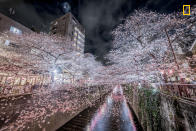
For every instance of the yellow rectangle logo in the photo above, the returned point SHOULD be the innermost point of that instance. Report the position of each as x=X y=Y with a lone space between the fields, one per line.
x=186 y=11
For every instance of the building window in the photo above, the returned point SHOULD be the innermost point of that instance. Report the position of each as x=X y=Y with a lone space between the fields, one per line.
x=55 y=23
x=15 y=30
x=78 y=48
x=75 y=34
x=74 y=44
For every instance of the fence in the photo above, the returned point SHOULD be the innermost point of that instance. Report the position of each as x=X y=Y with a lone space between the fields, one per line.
x=187 y=91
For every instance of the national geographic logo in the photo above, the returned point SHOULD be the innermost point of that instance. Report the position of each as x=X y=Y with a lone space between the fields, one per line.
x=186 y=10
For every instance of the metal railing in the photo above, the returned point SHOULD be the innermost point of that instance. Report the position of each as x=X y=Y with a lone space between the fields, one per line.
x=187 y=91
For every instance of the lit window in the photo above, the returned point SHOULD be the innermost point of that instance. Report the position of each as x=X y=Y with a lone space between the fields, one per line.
x=81 y=38
x=78 y=48
x=82 y=35
x=75 y=34
x=15 y=30
x=79 y=42
x=78 y=30
x=56 y=23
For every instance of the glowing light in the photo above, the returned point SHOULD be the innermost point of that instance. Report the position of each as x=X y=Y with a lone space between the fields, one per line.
x=118 y=89
x=162 y=72
x=55 y=71
x=101 y=112
x=126 y=112
x=154 y=90
x=139 y=86
x=170 y=71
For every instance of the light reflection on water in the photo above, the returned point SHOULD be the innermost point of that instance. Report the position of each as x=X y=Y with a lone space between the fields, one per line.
x=101 y=120
x=127 y=123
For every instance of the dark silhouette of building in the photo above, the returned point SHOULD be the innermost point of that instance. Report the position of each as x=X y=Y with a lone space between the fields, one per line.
x=9 y=25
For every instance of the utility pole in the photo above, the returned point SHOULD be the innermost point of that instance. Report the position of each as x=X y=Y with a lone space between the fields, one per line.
x=170 y=45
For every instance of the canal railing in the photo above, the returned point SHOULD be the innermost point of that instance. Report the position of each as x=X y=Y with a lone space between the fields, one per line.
x=186 y=91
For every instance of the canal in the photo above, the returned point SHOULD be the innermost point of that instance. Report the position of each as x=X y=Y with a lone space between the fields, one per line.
x=113 y=114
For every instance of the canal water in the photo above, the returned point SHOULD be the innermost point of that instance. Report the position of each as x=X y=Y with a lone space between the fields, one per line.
x=113 y=115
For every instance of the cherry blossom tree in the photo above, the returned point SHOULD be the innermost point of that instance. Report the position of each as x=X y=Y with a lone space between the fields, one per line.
x=38 y=50
x=43 y=53
x=142 y=45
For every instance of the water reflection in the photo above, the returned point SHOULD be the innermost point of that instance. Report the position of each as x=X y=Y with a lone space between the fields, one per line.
x=127 y=123
x=114 y=114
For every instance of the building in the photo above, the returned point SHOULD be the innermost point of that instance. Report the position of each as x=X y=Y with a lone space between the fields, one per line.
x=68 y=26
x=8 y=45
x=7 y=24
x=15 y=80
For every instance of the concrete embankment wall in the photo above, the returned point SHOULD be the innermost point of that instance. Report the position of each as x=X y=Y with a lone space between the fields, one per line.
x=58 y=119
x=47 y=111
x=160 y=112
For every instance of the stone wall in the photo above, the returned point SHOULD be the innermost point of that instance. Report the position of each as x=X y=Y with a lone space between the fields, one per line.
x=177 y=114
x=47 y=110
x=160 y=112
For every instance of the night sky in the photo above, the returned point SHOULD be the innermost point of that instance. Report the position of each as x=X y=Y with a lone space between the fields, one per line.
x=98 y=17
